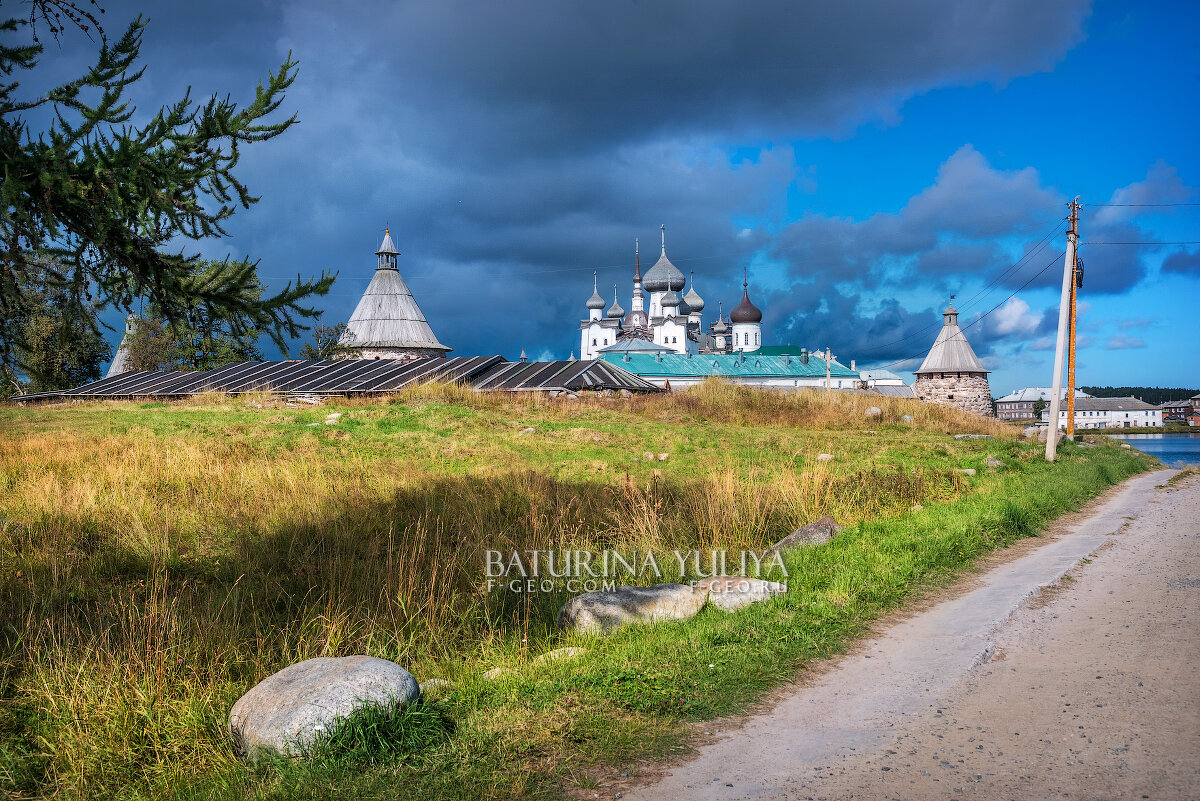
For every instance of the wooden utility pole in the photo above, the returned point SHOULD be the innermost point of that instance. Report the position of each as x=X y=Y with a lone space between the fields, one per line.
x=1076 y=283
x=1060 y=347
x=828 y=377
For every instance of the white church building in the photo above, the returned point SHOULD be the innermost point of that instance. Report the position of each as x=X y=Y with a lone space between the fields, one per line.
x=658 y=314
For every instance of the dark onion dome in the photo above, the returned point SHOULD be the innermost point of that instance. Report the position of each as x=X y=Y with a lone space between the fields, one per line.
x=745 y=312
x=615 y=311
x=595 y=301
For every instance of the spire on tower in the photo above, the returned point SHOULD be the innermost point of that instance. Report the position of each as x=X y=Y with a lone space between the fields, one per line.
x=663 y=229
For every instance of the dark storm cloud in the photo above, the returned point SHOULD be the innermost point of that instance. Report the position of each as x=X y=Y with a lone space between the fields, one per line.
x=541 y=75
x=515 y=147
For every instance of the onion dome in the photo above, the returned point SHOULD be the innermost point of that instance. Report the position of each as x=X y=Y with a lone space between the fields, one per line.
x=694 y=302
x=670 y=300
x=595 y=301
x=664 y=276
x=745 y=312
x=720 y=326
x=615 y=311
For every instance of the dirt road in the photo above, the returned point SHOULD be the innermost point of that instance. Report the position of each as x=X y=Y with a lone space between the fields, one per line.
x=1088 y=690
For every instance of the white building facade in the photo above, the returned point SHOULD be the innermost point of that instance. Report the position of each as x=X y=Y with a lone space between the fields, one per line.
x=1110 y=413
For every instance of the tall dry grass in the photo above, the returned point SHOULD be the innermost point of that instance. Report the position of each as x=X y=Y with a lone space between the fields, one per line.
x=148 y=580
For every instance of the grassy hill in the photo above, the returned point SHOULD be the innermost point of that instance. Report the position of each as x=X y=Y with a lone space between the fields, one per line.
x=156 y=560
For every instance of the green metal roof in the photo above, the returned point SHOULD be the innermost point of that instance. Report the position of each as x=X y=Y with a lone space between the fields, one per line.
x=672 y=365
x=779 y=350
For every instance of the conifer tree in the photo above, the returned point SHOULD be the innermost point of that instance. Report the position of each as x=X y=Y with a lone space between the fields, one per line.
x=103 y=200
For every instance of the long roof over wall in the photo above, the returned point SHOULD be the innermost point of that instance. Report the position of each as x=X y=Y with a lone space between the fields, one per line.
x=357 y=377
x=731 y=365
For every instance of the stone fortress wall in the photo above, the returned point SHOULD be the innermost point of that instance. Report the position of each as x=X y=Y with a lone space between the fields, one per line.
x=967 y=391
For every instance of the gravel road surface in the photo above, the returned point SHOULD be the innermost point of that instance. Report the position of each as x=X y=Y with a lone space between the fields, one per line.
x=1070 y=672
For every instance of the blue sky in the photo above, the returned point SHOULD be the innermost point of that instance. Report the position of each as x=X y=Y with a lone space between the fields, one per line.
x=866 y=162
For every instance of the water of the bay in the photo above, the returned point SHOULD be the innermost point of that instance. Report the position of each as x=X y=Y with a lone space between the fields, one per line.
x=1173 y=450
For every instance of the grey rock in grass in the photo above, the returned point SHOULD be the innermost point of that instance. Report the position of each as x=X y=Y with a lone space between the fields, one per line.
x=648 y=456
x=662 y=457
x=824 y=457
x=287 y=712
x=1044 y=434
x=973 y=436
x=435 y=687
x=1126 y=445
x=967 y=471
x=992 y=461
x=604 y=610
x=626 y=394
x=736 y=592
x=873 y=411
x=908 y=418
x=525 y=431
x=816 y=533
x=559 y=655
x=498 y=673
x=1029 y=432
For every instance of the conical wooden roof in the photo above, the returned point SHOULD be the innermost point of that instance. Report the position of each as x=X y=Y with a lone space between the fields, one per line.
x=951 y=352
x=388 y=316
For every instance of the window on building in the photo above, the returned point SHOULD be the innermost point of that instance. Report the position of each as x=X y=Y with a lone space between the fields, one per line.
x=756 y=339
x=672 y=340
x=593 y=343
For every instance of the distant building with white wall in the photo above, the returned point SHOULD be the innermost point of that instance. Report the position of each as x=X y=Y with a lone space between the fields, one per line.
x=1018 y=404
x=1110 y=413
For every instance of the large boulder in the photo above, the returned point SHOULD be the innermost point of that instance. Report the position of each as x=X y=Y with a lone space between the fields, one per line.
x=604 y=610
x=821 y=531
x=735 y=592
x=1029 y=432
x=873 y=411
x=287 y=712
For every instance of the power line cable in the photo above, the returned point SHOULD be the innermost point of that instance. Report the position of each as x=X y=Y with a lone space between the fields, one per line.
x=981 y=317
x=1138 y=205
x=1016 y=266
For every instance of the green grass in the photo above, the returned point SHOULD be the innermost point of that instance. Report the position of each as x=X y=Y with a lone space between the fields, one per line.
x=158 y=560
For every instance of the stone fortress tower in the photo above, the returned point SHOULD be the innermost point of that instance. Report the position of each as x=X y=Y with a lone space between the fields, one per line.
x=952 y=374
